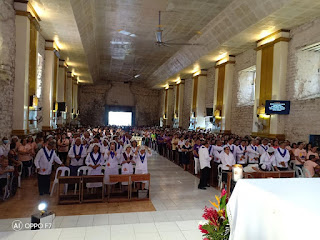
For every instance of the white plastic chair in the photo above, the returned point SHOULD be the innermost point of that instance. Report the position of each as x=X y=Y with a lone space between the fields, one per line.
x=306 y=173
x=292 y=165
x=220 y=176
x=85 y=170
x=65 y=171
x=20 y=173
x=6 y=188
x=299 y=172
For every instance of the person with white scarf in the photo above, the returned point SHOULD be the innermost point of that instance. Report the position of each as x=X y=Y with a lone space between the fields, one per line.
x=127 y=159
x=111 y=158
x=141 y=160
x=77 y=154
x=95 y=161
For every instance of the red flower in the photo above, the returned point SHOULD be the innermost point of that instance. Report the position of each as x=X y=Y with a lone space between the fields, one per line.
x=206 y=239
x=223 y=192
x=203 y=230
x=210 y=214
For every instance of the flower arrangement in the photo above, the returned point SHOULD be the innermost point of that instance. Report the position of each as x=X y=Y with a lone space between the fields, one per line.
x=217 y=227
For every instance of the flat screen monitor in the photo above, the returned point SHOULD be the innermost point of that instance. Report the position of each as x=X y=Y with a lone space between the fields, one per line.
x=277 y=107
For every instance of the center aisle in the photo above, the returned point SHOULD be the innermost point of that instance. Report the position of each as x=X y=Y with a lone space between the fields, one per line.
x=174 y=193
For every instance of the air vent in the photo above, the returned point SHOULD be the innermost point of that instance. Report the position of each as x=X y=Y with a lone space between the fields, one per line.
x=313 y=47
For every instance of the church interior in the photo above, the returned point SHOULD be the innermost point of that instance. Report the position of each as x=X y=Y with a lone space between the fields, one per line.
x=151 y=119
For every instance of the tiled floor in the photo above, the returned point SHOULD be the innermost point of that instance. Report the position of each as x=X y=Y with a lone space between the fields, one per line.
x=174 y=194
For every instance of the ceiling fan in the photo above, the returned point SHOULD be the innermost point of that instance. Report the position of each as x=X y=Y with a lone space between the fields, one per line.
x=134 y=75
x=159 y=38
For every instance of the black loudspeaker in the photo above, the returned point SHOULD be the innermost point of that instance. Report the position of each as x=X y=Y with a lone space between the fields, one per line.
x=209 y=111
x=61 y=106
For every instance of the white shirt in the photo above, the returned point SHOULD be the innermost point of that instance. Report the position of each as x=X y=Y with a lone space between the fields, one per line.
x=241 y=155
x=279 y=158
x=204 y=157
x=5 y=149
x=180 y=144
x=268 y=160
x=111 y=162
x=216 y=151
x=142 y=167
x=253 y=154
x=262 y=149
x=227 y=159
x=72 y=155
x=43 y=163
x=232 y=148
x=89 y=160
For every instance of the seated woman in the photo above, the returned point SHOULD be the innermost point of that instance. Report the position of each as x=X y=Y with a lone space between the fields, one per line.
x=95 y=160
x=142 y=163
x=127 y=159
x=4 y=170
x=186 y=149
x=227 y=161
x=111 y=158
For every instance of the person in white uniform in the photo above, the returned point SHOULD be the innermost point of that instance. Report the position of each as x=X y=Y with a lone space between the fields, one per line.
x=95 y=161
x=205 y=165
x=77 y=154
x=127 y=159
x=43 y=162
x=134 y=146
x=141 y=160
x=232 y=147
x=263 y=147
x=282 y=157
x=241 y=153
x=216 y=151
x=227 y=161
x=253 y=154
x=268 y=160
x=111 y=161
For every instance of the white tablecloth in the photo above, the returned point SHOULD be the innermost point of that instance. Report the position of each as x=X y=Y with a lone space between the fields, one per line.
x=275 y=209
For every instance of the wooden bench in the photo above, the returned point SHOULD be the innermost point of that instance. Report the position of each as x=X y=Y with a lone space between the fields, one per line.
x=120 y=179
x=87 y=197
x=69 y=198
x=140 y=178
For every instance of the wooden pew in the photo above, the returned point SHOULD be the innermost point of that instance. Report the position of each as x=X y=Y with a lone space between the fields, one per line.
x=138 y=178
x=90 y=197
x=120 y=179
x=69 y=198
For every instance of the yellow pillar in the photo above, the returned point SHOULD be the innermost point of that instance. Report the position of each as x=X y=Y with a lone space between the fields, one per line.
x=170 y=106
x=272 y=53
x=49 y=86
x=198 y=106
x=178 y=106
x=69 y=96
x=222 y=103
x=25 y=68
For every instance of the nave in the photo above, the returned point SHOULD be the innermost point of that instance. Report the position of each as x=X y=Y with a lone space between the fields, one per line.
x=174 y=194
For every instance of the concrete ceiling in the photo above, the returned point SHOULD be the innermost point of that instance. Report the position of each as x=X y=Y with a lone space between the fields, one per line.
x=90 y=33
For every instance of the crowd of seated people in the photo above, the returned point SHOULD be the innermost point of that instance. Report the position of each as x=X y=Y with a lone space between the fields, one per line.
x=254 y=154
x=111 y=147
x=98 y=148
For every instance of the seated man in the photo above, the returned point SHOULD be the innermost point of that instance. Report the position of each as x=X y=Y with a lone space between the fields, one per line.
x=4 y=170
x=311 y=166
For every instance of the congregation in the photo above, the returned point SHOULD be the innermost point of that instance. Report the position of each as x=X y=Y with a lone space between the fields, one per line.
x=112 y=148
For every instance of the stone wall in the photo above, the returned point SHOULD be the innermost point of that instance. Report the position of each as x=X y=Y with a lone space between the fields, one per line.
x=303 y=119
x=241 y=122
x=94 y=98
x=7 y=65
